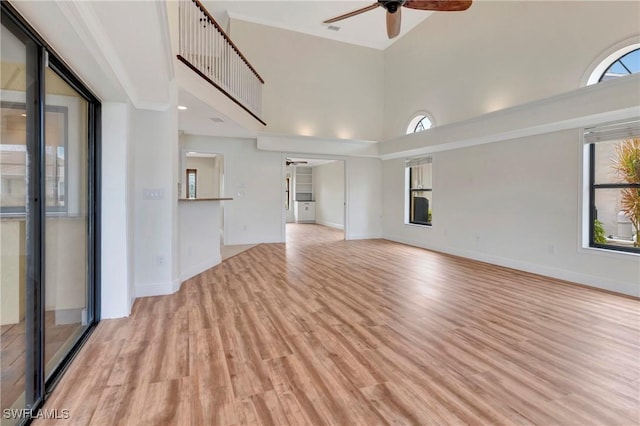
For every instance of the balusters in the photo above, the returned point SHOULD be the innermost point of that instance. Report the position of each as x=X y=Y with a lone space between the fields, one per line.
x=205 y=47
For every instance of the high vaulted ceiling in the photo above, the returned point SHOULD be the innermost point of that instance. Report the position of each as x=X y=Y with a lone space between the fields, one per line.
x=306 y=16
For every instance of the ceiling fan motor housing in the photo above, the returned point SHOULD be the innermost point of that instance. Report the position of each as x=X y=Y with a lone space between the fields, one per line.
x=391 y=6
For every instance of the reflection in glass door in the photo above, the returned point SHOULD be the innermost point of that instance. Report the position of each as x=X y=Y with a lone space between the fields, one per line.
x=13 y=220
x=67 y=224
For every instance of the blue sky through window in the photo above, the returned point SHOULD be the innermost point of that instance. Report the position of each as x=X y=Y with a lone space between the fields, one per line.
x=627 y=64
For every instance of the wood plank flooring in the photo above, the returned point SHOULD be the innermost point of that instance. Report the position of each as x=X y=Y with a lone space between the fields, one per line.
x=13 y=357
x=330 y=332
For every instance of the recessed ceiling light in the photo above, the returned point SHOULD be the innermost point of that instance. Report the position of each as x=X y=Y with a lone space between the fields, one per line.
x=217 y=120
x=333 y=28
x=182 y=107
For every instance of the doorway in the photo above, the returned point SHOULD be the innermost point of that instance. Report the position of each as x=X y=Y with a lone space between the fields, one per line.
x=315 y=194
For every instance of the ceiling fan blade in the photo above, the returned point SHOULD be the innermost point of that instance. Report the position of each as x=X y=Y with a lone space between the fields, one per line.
x=438 y=5
x=350 y=14
x=393 y=23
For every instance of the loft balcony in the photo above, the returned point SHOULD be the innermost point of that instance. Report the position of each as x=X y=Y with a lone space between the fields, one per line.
x=206 y=49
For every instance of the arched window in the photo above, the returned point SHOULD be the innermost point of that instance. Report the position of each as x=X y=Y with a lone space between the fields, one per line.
x=419 y=123
x=625 y=65
x=622 y=62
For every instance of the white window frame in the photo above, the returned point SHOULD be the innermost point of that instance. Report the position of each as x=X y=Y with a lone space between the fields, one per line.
x=417 y=118
x=606 y=59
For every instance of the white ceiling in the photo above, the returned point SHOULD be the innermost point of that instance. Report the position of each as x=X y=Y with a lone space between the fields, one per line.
x=197 y=119
x=194 y=154
x=306 y=16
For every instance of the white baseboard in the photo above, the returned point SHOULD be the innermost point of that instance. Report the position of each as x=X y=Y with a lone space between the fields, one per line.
x=157 y=289
x=332 y=225
x=194 y=270
x=548 y=271
x=362 y=236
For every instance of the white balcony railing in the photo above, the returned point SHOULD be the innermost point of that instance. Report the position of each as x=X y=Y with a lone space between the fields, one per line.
x=208 y=50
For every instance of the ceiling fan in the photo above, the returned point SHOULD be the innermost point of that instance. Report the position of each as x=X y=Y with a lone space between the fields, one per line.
x=394 y=7
x=290 y=162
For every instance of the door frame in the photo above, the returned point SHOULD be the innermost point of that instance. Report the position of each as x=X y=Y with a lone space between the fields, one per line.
x=39 y=57
x=345 y=163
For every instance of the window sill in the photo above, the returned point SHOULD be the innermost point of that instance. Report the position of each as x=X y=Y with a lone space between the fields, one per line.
x=417 y=225
x=607 y=252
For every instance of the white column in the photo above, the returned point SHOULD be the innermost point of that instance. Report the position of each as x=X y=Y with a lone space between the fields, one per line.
x=116 y=228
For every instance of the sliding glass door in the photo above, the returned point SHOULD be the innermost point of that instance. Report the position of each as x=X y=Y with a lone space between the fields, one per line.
x=67 y=221
x=48 y=217
x=15 y=220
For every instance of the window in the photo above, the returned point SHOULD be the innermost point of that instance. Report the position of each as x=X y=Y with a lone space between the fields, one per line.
x=287 y=193
x=419 y=123
x=420 y=191
x=624 y=65
x=619 y=63
x=192 y=183
x=614 y=179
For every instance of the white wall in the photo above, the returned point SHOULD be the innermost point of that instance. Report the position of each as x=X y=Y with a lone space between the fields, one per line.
x=515 y=203
x=254 y=179
x=315 y=86
x=199 y=236
x=131 y=211
x=117 y=209
x=498 y=54
x=207 y=176
x=328 y=188
x=364 y=198
x=156 y=172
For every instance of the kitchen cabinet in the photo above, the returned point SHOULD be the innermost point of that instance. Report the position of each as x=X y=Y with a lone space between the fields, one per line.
x=305 y=211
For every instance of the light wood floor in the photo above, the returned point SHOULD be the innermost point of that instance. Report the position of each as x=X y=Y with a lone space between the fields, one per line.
x=13 y=357
x=326 y=331
x=229 y=251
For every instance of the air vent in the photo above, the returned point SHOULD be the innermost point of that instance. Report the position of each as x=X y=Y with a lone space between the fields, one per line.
x=217 y=120
x=333 y=28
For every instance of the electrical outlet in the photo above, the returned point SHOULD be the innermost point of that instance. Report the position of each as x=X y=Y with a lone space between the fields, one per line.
x=159 y=260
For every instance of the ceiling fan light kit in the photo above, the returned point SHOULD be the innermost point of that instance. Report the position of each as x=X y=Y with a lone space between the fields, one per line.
x=394 y=8
x=290 y=162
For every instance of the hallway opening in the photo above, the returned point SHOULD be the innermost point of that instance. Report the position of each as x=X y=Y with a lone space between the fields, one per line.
x=315 y=193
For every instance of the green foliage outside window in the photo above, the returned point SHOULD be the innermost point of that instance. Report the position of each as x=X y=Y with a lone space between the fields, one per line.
x=627 y=165
x=599 y=236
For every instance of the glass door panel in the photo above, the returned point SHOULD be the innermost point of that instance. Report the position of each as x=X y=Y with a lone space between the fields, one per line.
x=47 y=218
x=67 y=221
x=13 y=218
